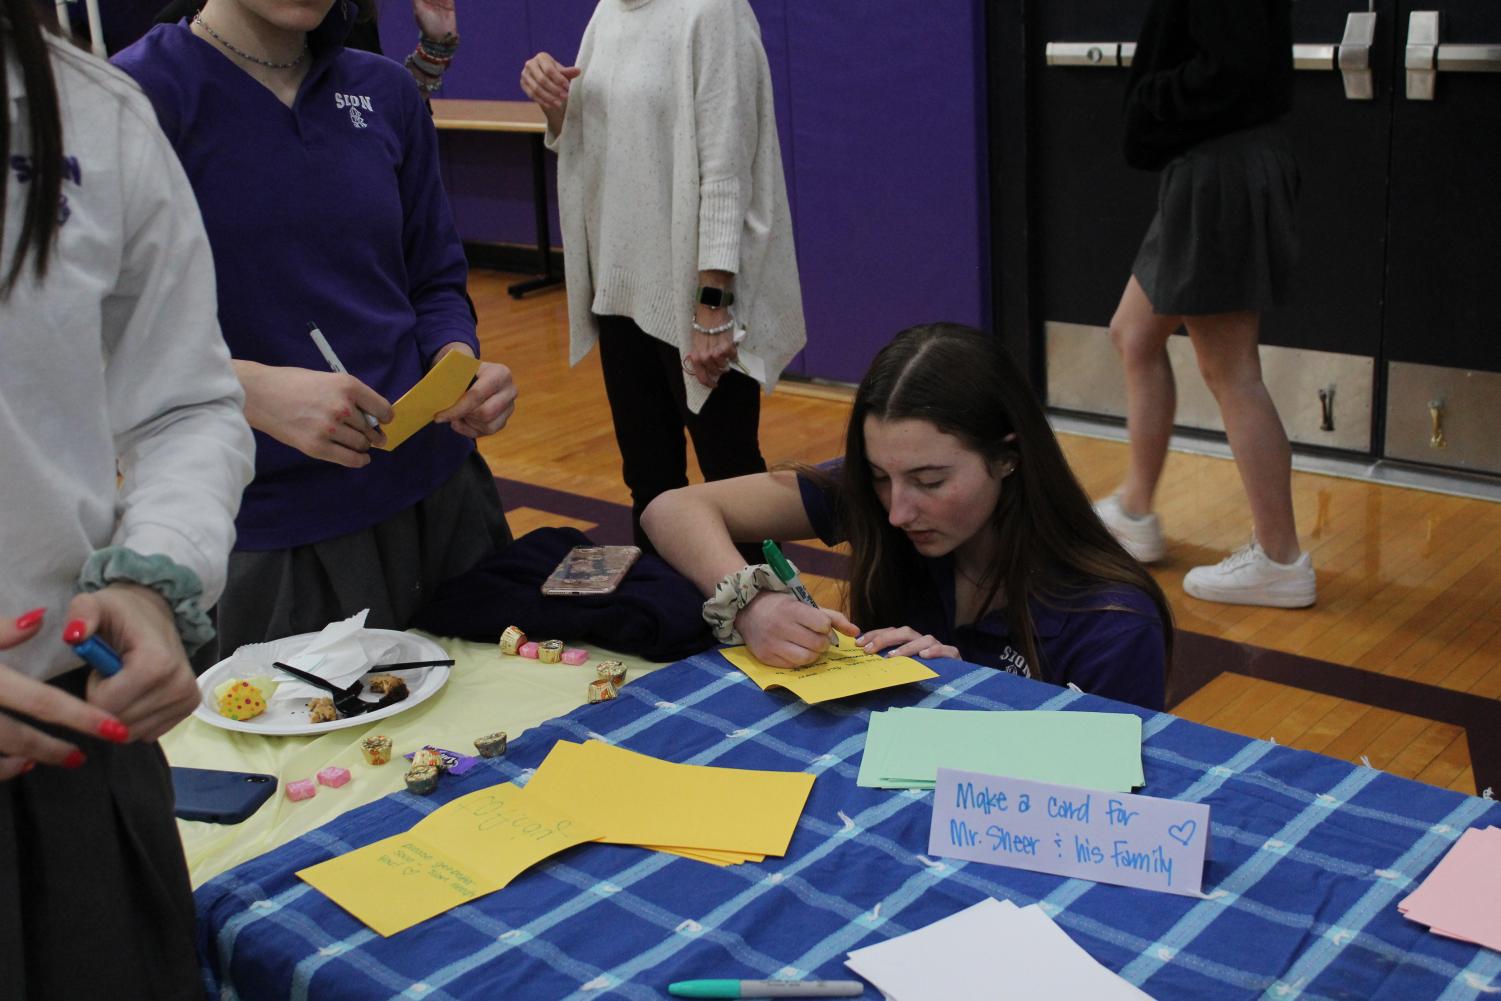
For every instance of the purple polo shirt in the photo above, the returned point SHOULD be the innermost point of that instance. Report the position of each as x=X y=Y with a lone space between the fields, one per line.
x=1108 y=642
x=331 y=211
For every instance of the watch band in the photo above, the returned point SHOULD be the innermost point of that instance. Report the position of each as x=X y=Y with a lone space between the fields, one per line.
x=715 y=297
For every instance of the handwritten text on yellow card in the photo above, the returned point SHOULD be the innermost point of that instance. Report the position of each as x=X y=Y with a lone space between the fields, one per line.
x=463 y=850
x=841 y=671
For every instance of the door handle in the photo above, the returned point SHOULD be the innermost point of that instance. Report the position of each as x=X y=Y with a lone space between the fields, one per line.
x=1352 y=56
x=1355 y=56
x=1436 y=424
x=1111 y=54
x=1426 y=57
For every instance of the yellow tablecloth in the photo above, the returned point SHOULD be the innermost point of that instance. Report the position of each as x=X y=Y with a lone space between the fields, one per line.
x=486 y=692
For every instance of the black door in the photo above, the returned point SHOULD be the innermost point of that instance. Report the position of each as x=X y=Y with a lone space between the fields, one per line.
x=1442 y=333
x=1320 y=351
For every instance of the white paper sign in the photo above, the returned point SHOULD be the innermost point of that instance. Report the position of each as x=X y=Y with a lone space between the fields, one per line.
x=1108 y=837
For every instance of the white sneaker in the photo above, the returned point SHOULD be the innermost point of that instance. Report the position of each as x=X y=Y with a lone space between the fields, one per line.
x=1249 y=576
x=1141 y=537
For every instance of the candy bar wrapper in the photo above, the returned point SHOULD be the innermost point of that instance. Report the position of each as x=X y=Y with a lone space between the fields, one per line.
x=454 y=763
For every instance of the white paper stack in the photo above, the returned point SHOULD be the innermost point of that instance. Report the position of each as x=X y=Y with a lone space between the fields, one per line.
x=992 y=950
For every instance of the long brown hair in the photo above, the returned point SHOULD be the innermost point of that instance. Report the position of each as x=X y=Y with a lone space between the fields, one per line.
x=45 y=127
x=1052 y=548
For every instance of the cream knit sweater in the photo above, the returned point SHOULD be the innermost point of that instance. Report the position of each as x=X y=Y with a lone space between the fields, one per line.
x=669 y=164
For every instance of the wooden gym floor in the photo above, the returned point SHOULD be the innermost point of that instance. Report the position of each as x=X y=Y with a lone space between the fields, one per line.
x=1399 y=664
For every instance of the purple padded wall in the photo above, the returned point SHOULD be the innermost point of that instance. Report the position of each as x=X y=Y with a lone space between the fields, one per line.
x=887 y=109
x=772 y=16
x=879 y=105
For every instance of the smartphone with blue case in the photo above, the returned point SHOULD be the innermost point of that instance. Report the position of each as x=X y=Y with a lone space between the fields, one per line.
x=219 y=797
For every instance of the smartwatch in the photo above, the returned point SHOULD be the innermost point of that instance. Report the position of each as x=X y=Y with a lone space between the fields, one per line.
x=715 y=298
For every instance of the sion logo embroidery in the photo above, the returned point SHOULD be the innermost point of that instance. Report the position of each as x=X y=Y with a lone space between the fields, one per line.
x=356 y=103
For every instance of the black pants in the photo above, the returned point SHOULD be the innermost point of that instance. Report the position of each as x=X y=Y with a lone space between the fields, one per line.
x=644 y=382
x=94 y=895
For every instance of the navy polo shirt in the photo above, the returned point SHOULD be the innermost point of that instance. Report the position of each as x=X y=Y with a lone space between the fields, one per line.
x=1107 y=642
x=330 y=211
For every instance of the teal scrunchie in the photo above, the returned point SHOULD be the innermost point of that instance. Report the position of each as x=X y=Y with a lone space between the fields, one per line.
x=174 y=582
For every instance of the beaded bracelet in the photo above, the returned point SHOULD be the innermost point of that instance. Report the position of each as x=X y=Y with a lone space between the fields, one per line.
x=724 y=327
x=430 y=66
x=431 y=81
x=438 y=48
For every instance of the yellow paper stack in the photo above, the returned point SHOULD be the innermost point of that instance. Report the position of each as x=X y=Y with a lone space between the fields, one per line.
x=722 y=816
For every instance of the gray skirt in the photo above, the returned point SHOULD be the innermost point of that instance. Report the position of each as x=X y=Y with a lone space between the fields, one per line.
x=1225 y=238
x=389 y=568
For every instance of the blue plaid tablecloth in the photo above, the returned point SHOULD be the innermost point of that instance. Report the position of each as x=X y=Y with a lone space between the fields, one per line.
x=1309 y=857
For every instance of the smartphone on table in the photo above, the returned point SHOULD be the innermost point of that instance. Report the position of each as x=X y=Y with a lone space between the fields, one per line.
x=219 y=797
x=591 y=570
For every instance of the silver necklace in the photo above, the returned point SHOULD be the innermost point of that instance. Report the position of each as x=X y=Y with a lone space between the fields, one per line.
x=198 y=19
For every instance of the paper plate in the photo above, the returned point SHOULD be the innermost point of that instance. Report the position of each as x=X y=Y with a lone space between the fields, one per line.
x=289 y=717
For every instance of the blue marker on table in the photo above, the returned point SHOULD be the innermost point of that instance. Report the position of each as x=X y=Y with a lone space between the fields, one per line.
x=99 y=655
x=766 y=989
x=788 y=576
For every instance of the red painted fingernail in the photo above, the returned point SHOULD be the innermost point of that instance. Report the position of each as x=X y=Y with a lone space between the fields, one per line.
x=75 y=759
x=114 y=731
x=31 y=619
x=27 y=767
x=75 y=632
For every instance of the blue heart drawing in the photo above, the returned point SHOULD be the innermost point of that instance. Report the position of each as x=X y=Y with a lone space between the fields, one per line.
x=1183 y=833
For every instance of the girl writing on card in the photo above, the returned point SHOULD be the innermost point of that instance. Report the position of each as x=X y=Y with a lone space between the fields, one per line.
x=969 y=536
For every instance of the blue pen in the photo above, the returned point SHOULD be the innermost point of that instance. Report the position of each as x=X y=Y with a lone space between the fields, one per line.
x=99 y=655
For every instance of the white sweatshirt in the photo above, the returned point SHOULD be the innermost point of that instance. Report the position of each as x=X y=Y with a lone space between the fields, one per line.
x=113 y=364
x=669 y=164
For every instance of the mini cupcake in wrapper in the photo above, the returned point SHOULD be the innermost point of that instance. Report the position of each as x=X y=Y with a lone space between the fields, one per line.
x=511 y=640
x=429 y=756
x=491 y=745
x=421 y=779
x=612 y=671
x=377 y=749
x=550 y=651
x=600 y=690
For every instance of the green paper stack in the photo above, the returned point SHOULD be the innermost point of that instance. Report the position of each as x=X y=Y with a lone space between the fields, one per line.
x=904 y=748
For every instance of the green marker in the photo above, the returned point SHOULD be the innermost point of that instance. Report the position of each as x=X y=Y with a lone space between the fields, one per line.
x=788 y=576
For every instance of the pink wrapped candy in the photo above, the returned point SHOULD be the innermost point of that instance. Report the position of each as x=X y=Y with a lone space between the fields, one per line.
x=333 y=776
x=301 y=789
x=528 y=649
x=575 y=655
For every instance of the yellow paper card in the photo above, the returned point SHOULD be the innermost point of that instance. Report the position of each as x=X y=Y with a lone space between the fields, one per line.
x=462 y=851
x=842 y=670
x=636 y=799
x=440 y=389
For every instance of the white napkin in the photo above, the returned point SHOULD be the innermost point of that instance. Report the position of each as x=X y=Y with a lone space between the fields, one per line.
x=341 y=654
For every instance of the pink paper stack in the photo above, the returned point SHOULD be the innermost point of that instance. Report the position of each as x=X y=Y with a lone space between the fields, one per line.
x=1461 y=898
